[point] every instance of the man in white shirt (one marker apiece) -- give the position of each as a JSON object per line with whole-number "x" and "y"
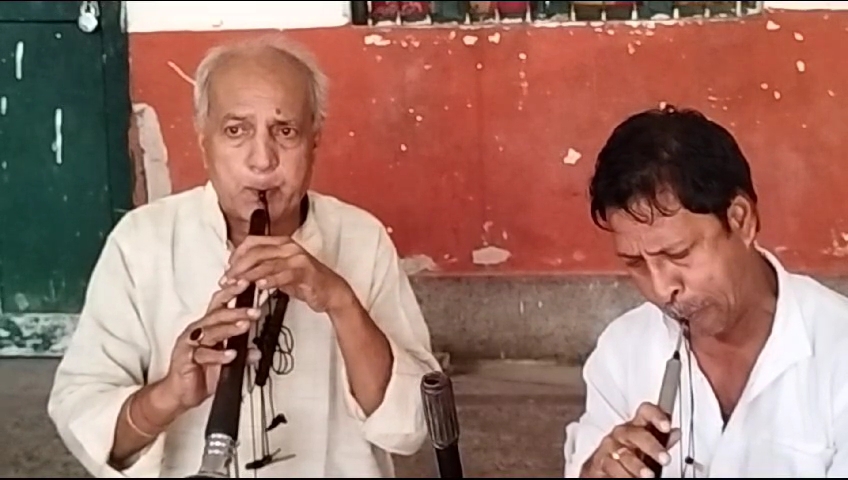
{"x": 133, "y": 392}
{"x": 764, "y": 383}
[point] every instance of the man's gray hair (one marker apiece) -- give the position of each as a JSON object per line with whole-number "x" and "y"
{"x": 318, "y": 82}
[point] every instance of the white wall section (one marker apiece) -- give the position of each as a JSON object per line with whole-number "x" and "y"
{"x": 201, "y": 16}
{"x": 228, "y": 15}
{"x": 807, "y": 5}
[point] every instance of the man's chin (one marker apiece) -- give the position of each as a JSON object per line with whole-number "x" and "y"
{"x": 705, "y": 327}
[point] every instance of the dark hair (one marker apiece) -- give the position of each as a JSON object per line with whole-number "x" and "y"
{"x": 669, "y": 150}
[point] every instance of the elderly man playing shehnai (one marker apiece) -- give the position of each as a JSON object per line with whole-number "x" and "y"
{"x": 133, "y": 392}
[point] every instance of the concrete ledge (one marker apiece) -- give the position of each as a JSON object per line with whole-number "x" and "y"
{"x": 521, "y": 317}
{"x": 503, "y": 317}
{"x": 528, "y": 317}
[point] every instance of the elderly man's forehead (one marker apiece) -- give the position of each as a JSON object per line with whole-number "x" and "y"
{"x": 259, "y": 61}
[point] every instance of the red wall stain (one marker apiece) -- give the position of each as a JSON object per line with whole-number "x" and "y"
{"x": 483, "y": 164}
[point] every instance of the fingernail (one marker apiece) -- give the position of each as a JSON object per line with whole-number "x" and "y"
{"x": 221, "y": 281}
{"x": 262, "y": 283}
{"x": 665, "y": 426}
{"x": 241, "y": 282}
{"x": 253, "y": 313}
{"x": 230, "y": 354}
{"x": 242, "y": 324}
{"x": 664, "y": 458}
{"x": 645, "y": 473}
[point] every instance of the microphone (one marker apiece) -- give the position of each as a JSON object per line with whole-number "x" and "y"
{"x": 442, "y": 423}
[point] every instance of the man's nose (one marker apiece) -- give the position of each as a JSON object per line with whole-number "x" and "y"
{"x": 264, "y": 157}
{"x": 666, "y": 284}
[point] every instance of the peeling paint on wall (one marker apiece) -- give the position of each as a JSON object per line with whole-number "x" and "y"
{"x": 415, "y": 264}
{"x": 149, "y": 155}
{"x": 490, "y": 256}
{"x": 139, "y": 196}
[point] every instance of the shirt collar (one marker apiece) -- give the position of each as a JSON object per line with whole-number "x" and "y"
{"x": 789, "y": 341}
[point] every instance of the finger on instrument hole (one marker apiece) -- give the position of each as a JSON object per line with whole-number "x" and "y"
{"x": 638, "y": 438}
{"x": 281, "y": 279}
{"x": 223, "y": 296}
{"x": 218, "y": 333}
{"x": 198, "y": 333}
{"x": 648, "y": 413}
{"x": 631, "y": 463}
{"x": 253, "y": 241}
{"x": 261, "y": 270}
{"x": 244, "y": 261}
{"x": 209, "y": 356}
{"x": 230, "y": 315}
{"x": 253, "y": 356}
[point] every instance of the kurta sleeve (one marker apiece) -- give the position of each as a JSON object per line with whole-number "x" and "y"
{"x": 397, "y": 425}
{"x": 606, "y": 404}
{"x": 838, "y": 467}
{"x": 106, "y": 361}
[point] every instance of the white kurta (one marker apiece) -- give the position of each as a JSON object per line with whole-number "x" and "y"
{"x": 792, "y": 419}
{"x": 159, "y": 268}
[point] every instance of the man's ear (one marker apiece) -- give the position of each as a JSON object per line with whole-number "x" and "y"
{"x": 743, "y": 220}
{"x": 201, "y": 143}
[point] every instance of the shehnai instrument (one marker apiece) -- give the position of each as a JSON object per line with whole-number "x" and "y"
{"x": 219, "y": 458}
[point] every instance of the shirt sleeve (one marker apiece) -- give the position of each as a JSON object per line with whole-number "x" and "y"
{"x": 839, "y": 403}
{"x": 397, "y": 425}
{"x": 606, "y": 405}
{"x": 105, "y": 361}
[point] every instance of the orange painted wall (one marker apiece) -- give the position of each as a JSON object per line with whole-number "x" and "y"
{"x": 456, "y": 145}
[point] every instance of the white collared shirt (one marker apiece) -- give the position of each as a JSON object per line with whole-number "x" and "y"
{"x": 792, "y": 418}
{"x": 157, "y": 272}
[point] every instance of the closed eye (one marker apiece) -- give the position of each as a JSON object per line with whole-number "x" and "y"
{"x": 632, "y": 262}
{"x": 678, "y": 255}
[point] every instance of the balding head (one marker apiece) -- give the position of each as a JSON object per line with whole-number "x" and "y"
{"x": 268, "y": 51}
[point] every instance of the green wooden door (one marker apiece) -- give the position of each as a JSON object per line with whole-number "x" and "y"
{"x": 62, "y": 185}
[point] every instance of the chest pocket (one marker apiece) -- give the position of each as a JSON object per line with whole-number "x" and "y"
{"x": 783, "y": 459}
{"x": 786, "y": 431}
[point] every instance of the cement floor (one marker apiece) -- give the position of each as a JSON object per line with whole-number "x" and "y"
{"x": 512, "y": 417}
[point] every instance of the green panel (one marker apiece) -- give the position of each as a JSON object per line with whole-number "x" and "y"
{"x": 57, "y": 11}
{"x": 55, "y": 205}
